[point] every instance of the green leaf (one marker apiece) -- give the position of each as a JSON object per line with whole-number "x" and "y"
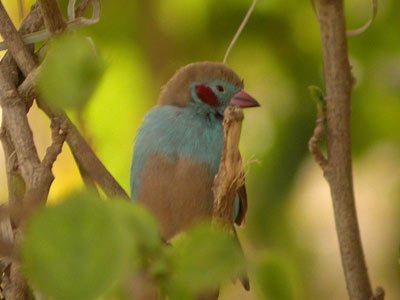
{"x": 276, "y": 278}
{"x": 140, "y": 225}
{"x": 75, "y": 250}
{"x": 318, "y": 96}
{"x": 201, "y": 259}
{"x": 70, "y": 72}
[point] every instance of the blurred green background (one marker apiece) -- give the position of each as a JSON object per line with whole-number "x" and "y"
{"x": 290, "y": 238}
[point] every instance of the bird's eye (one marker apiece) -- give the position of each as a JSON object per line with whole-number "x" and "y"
{"x": 220, "y": 89}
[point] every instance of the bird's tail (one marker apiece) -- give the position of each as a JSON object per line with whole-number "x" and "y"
{"x": 244, "y": 278}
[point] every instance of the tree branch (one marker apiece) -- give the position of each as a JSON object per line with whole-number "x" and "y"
{"x": 36, "y": 176}
{"x": 7, "y": 251}
{"x": 15, "y": 182}
{"x": 37, "y": 182}
{"x": 81, "y": 150}
{"x": 83, "y": 154}
{"x": 53, "y": 19}
{"x": 82, "y": 7}
{"x": 15, "y": 44}
{"x": 230, "y": 175}
{"x": 338, "y": 168}
{"x": 17, "y": 123}
{"x": 58, "y": 133}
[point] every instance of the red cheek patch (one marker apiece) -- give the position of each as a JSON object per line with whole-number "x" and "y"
{"x": 206, "y": 95}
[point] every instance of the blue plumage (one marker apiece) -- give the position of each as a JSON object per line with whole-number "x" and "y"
{"x": 177, "y": 132}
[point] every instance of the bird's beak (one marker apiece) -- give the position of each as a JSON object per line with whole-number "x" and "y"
{"x": 244, "y": 100}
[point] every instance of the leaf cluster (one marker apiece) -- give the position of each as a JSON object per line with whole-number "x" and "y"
{"x": 89, "y": 247}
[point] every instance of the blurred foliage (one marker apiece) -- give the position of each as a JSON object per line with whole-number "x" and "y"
{"x": 277, "y": 278}
{"x": 142, "y": 43}
{"x": 70, "y": 73}
{"x": 83, "y": 247}
{"x": 202, "y": 258}
{"x": 67, "y": 248}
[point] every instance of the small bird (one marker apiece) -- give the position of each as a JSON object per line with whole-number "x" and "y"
{"x": 179, "y": 146}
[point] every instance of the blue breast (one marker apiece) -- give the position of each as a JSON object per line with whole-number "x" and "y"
{"x": 176, "y": 132}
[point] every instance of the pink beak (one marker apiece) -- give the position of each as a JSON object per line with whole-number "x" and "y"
{"x": 244, "y": 100}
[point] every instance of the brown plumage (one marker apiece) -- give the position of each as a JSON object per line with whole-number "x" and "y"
{"x": 176, "y": 91}
{"x": 171, "y": 196}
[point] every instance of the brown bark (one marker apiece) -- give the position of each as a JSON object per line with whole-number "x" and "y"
{"x": 20, "y": 53}
{"x": 53, "y": 19}
{"x": 230, "y": 175}
{"x": 338, "y": 166}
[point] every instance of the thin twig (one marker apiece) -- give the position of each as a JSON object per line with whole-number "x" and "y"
{"x": 244, "y": 22}
{"x": 319, "y": 131}
{"x": 313, "y": 143}
{"x": 314, "y": 7}
{"x": 82, "y": 8}
{"x": 58, "y": 133}
{"x": 21, "y": 8}
{"x": 362, "y": 29}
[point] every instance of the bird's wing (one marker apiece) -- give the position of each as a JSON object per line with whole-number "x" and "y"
{"x": 240, "y": 219}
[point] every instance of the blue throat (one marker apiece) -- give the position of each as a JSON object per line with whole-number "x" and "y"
{"x": 190, "y": 132}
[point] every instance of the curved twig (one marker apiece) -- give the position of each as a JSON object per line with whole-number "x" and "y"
{"x": 72, "y": 24}
{"x": 244, "y": 22}
{"x": 319, "y": 131}
{"x": 362, "y": 29}
{"x": 313, "y": 143}
{"x": 359, "y": 31}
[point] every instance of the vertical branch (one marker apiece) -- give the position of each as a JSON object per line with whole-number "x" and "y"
{"x": 8, "y": 32}
{"x": 15, "y": 182}
{"x": 53, "y": 19}
{"x": 21, "y": 8}
{"x": 230, "y": 175}
{"x": 338, "y": 167}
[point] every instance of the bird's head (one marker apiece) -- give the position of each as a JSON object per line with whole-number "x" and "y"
{"x": 209, "y": 86}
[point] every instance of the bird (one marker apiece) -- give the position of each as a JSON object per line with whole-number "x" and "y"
{"x": 179, "y": 145}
